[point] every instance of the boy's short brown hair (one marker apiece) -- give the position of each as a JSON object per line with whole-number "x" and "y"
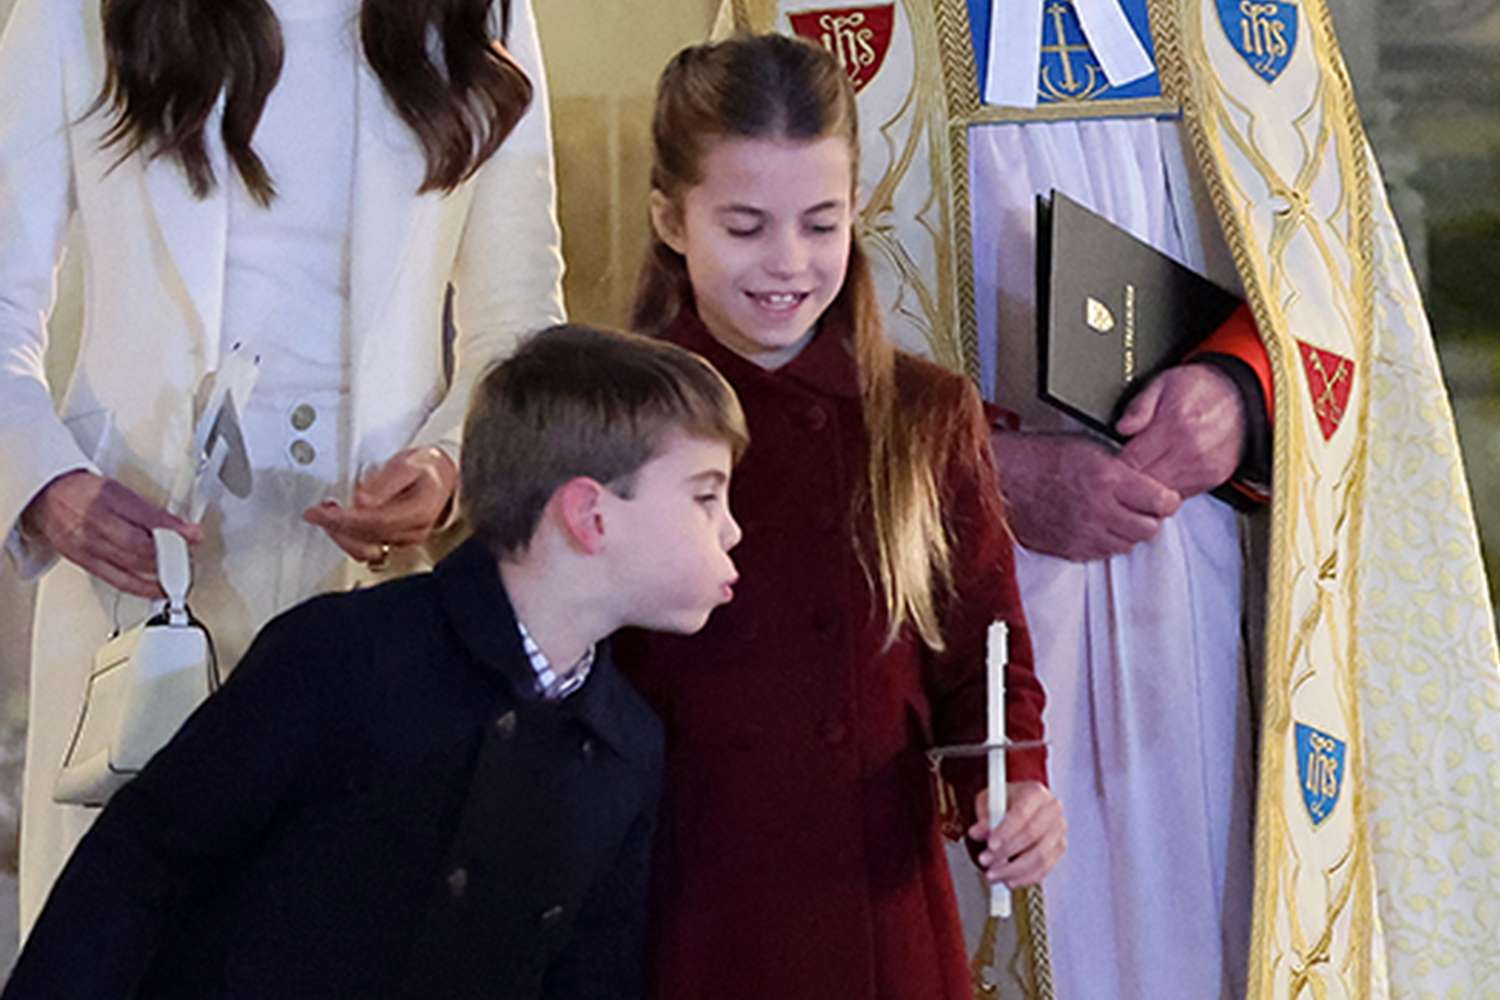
{"x": 579, "y": 401}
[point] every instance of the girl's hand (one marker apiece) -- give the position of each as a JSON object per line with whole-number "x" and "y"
{"x": 398, "y": 504}
{"x": 104, "y": 527}
{"x": 1028, "y": 842}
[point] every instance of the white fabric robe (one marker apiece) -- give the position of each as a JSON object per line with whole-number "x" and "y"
{"x": 1140, "y": 654}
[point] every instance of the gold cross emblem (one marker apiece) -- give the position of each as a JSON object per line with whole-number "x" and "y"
{"x": 1326, "y": 404}
{"x": 1062, "y": 48}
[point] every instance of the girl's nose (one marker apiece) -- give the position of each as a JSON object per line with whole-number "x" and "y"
{"x": 787, "y": 254}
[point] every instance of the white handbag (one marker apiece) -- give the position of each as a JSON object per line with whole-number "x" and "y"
{"x": 146, "y": 680}
{"x": 144, "y": 684}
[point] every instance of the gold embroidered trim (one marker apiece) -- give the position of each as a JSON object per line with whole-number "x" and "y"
{"x": 1177, "y": 27}
{"x": 1029, "y": 969}
{"x": 1134, "y": 107}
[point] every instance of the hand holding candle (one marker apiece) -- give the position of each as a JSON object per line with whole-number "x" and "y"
{"x": 998, "y": 654}
{"x": 1027, "y": 842}
{"x": 1021, "y": 823}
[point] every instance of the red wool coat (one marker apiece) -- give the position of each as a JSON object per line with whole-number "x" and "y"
{"x": 798, "y": 854}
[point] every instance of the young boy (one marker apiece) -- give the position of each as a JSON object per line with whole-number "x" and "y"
{"x": 439, "y": 787}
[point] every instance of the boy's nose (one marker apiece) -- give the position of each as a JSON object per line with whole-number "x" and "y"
{"x": 730, "y": 534}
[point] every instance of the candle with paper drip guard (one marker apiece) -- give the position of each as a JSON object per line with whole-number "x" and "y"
{"x": 997, "y": 655}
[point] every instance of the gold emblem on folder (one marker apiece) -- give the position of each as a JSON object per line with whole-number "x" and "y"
{"x": 1098, "y": 316}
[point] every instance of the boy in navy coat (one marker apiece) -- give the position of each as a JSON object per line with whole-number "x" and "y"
{"x": 439, "y": 787}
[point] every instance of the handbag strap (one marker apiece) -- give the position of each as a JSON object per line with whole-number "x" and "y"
{"x": 175, "y": 571}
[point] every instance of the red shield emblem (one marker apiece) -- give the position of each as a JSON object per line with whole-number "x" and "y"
{"x": 859, "y": 36}
{"x": 1330, "y": 376}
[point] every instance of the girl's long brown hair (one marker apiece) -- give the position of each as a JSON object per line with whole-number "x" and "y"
{"x": 775, "y": 87}
{"x": 169, "y": 61}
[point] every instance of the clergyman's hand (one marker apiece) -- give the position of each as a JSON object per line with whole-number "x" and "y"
{"x": 1072, "y": 497}
{"x": 1186, "y": 428}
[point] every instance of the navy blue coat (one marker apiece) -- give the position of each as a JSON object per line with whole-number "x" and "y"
{"x": 375, "y": 805}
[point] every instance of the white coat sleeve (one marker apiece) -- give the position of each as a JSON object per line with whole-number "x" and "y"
{"x": 507, "y": 279}
{"x": 36, "y": 202}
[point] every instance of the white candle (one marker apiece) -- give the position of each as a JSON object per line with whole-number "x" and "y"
{"x": 995, "y": 661}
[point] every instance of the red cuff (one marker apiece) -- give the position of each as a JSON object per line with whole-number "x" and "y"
{"x": 1001, "y": 419}
{"x": 1250, "y": 492}
{"x": 1239, "y": 338}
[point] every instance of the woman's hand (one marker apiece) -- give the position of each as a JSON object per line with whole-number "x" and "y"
{"x": 105, "y": 527}
{"x": 400, "y": 503}
{"x": 1028, "y": 842}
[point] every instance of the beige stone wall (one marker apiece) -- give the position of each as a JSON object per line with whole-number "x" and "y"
{"x": 603, "y": 57}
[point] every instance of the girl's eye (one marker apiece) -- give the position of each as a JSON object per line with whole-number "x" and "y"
{"x": 743, "y": 233}
{"x": 822, "y": 230}
{"x": 707, "y": 498}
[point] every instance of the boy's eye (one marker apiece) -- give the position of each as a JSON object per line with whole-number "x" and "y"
{"x": 743, "y": 233}
{"x": 821, "y": 229}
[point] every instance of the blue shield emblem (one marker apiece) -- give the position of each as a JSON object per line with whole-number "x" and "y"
{"x": 1264, "y": 32}
{"x": 1320, "y": 766}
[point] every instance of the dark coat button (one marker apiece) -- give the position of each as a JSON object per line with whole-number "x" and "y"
{"x": 835, "y": 732}
{"x": 458, "y": 882}
{"x": 506, "y": 725}
{"x": 550, "y": 916}
{"x": 587, "y": 747}
{"x": 817, "y": 418}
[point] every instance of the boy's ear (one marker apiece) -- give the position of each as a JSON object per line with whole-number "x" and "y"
{"x": 666, "y": 220}
{"x": 580, "y": 510}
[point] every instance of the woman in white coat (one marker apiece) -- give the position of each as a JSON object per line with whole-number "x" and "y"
{"x": 301, "y": 177}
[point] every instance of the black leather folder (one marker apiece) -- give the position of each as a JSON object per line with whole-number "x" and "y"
{"x": 1111, "y": 311}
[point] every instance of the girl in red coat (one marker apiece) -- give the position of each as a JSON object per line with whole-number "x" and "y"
{"x": 798, "y": 855}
